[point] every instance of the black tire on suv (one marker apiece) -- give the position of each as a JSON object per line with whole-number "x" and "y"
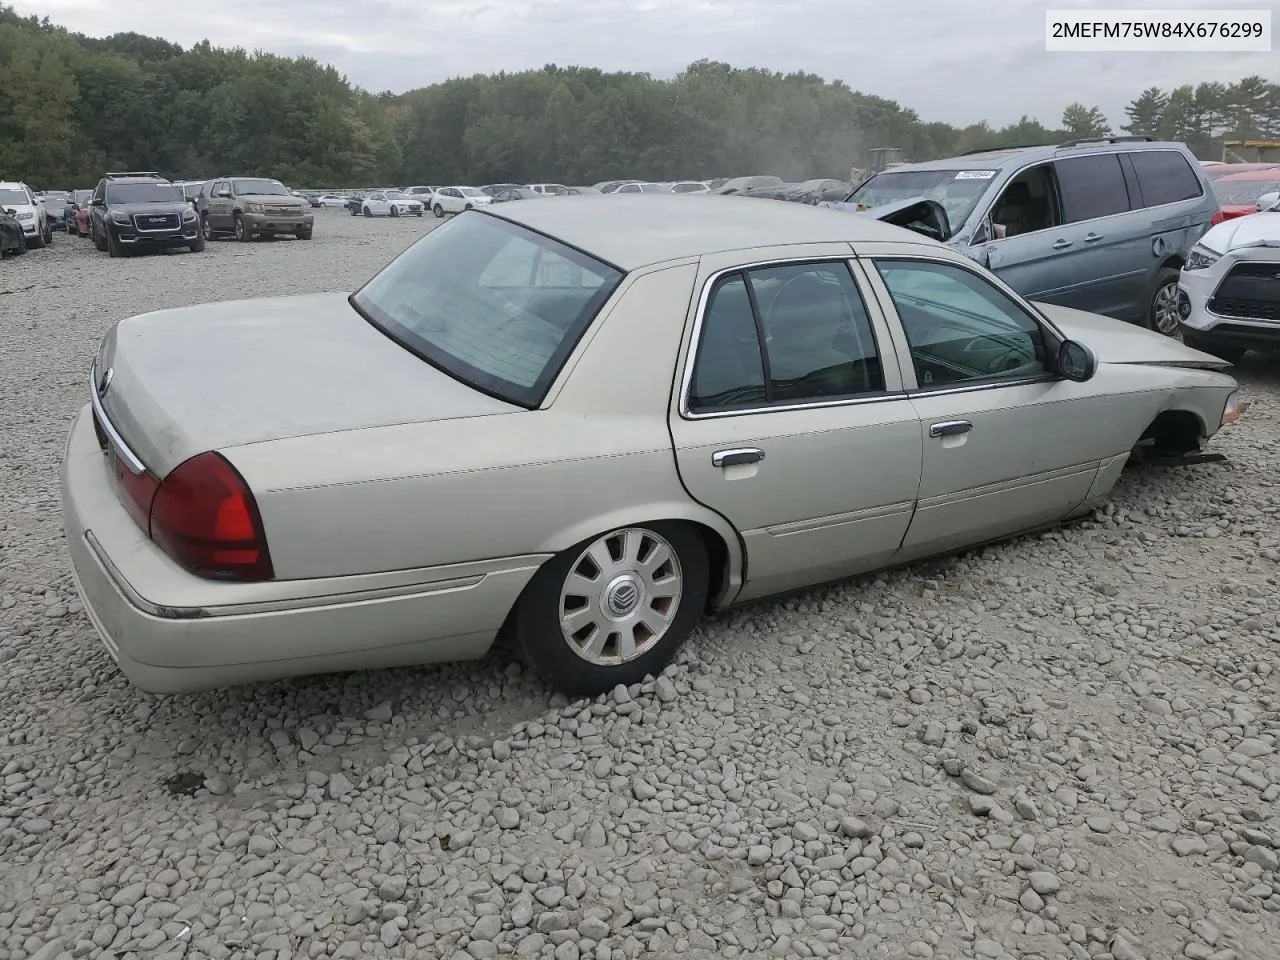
{"x": 243, "y": 234}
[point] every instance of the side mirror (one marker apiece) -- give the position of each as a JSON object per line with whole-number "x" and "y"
{"x": 1269, "y": 202}
{"x": 224, "y": 194}
{"x": 1075, "y": 361}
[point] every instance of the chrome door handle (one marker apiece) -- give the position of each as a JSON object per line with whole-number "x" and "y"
{"x": 949, "y": 428}
{"x": 1092, "y": 237}
{"x": 1061, "y": 244}
{"x": 730, "y": 458}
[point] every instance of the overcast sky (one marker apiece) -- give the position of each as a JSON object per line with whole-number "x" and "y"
{"x": 958, "y": 61}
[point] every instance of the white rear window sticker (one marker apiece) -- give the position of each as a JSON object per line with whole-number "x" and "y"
{"x": 975, "y": 174}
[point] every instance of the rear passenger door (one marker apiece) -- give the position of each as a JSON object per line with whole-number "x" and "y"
{"x": 792, "y": 422}
{"x": 1113, "y": 242}
{"x": 220, "y": 207}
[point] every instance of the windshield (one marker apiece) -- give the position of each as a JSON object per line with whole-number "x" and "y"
{"x": 472, "y": 192}
{"x": 142, "y": 193}
{"x": 655, "y": 188}
{"x": 269, "y": 188}
{"x": 397, "y": 195}
{"x": 957, "y": 190}
{"x": 1247, "y": 191}
{"x": 11, "y": 197}
{"x": 491, "y": 303}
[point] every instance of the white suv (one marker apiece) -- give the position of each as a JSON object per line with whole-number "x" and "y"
{"x": 17, "y": 198}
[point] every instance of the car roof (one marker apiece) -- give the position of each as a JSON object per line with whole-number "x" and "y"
{"x": 631, "y": 231}
{"x": 998, "y": 158}
{"x": 12, "y": 185}
{"x": 1267, "y": 173}
{"x": 119, "y": 180}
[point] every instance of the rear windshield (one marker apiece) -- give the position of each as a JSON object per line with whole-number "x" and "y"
{"x": 142, "y": 193}
{"x": 491, "y": 303}
{"x": 1244, "y": 191}
{"x": 957, "y": 190}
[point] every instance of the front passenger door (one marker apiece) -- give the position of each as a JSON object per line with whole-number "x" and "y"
{"x": 792, "y": 424}
{"x": 1008, "y": 445}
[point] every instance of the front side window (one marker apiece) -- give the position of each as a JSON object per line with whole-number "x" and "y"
{"x": 960, "y": 327}
{"x": 1165, "y": 176}
{"x": 492, "y": 304}
{"x": 1091, "y": 187}
{"x": 816, "y": 336}
{"x": 629, "y": 188}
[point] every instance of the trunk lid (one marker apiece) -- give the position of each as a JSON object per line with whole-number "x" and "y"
{"x": 219, "y": 375}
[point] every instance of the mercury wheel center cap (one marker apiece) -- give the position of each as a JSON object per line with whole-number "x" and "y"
{"x": 622, "y": 597}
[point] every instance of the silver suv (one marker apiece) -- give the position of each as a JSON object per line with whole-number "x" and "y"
{"x": 1100, "y": 224}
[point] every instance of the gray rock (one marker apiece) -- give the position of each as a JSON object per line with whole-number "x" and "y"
{"x": 339, "y": 787}
{"x": 977, "y": 782}
{"x": 1043, "y": 882}
{"x": 508, "y": 819}
{"x": 855, "y": 827}
{"x": 391, "y": 934}
{"x": 36, "y": 826}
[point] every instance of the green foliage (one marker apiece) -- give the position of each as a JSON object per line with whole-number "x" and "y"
{"x": 73, "y": 106}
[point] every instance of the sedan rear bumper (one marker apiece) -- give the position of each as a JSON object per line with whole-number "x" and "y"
{"x": 171, "y": 632}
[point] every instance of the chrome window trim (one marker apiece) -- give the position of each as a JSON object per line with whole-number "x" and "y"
{"x": 691, "y": 356}
{"x": 131, "y": 461}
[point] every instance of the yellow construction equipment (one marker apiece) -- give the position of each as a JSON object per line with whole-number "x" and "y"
{"x": 1251, "y": 151}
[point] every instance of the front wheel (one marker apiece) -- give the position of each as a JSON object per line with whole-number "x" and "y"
{"x": 243, "y": 234}
{"x": 469, "y": 207}
{"x": 99, "y": 241}
{"x": 368, "y": 212}
{"x": 197, "y": 245}
{"x": 613, "y": 609}
{"x": 355, "y": 212}
{"x": 1162, "y": 311}
{"x": 395, "y": 211}
{"x": 438, "y": 211}
{"x": 37, "y": 241}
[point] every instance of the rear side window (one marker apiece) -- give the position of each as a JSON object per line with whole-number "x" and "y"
{"x": 1091, "y": 187}
{"x": 817, "y": 337}
{"x": 1165, "y": 177}
{"x": 492, "y": 304}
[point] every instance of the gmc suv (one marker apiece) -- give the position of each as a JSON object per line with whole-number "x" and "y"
{"x": 134, "y": 211}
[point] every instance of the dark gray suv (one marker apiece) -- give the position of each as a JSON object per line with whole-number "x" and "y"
{"x": 1102, "y": 225}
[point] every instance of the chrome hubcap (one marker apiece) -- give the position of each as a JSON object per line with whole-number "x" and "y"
{"x": 620, "y": 597}
{"x": 1164, "y": 310}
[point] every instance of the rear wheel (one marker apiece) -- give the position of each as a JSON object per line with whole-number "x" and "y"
{"x": 206, "y": 228}
{"x": 438, "y": 211}
{"x": 1162, "y": 311}
{"x": 395, "y": 211}
{"x": 367, "y": 211}
{"x": 304, "y": 234}
{"x": 243, "y": 234}
{"x": 614, "y": 608}
{"x": 354, "y": 212}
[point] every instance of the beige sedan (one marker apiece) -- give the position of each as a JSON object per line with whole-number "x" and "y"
{"x": 586, "y": 423}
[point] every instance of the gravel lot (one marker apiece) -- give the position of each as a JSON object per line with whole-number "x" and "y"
{"x": 1062, "y": 747}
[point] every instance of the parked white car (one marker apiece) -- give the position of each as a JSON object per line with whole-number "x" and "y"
{"x": 1229, "y": 288}
{"x": 390, "y": 204}
{"x": 332, "y": 200}
{"x": 643, "y": 188}
{"x": 690, "y": 186}
{"x": 423, "y": 194}
{"x": 457, "y": 199}
{"x": 547, "y": 189}
{"x": 17, "y": 197}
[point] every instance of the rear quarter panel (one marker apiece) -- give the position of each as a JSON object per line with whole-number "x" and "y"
{"x": 596, "y": 456}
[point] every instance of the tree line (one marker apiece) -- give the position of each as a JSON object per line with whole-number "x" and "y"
{"x": 73, "y": 106}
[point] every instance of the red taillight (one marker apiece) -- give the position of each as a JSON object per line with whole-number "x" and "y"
{"x": 1218, "y": 216}
{"x": 204, "y": 516}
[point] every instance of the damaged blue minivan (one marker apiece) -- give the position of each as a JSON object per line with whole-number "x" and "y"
{"x": 1102, "y": 224}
